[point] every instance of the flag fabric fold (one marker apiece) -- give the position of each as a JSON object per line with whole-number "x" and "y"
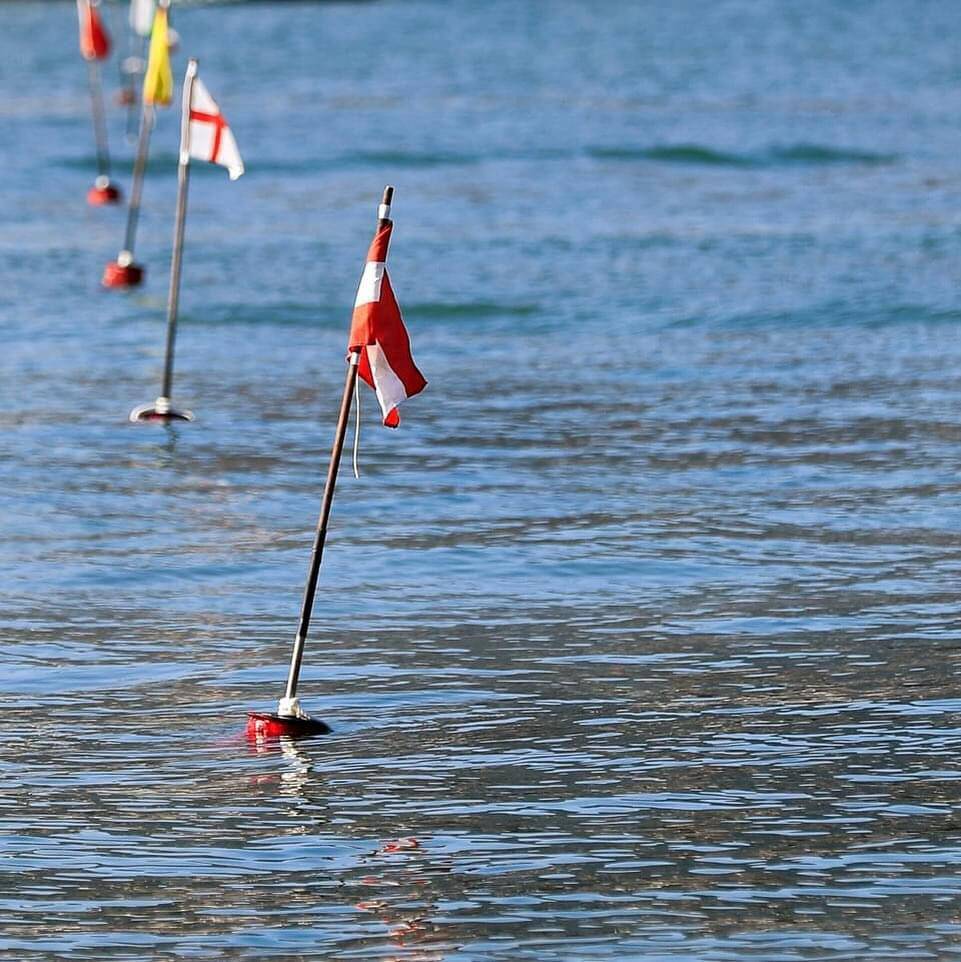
{"x": 209, "y": 137}
{"x": 94, "y": 39}
{"x": 158, "y": 81}
{"x": 377, "y": 331}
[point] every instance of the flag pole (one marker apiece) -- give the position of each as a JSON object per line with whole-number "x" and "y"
{"x": 123, "y": 272}
{"x": 161, "y": 409}
{"x": 133, "y": 67}
{"x": 127, "y": 95}
{"x": 291, "y": 719}
{"x": 103, "y": 191}
{"x": 94, "y": 46}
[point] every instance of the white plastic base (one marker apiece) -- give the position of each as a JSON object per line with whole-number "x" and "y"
{"x": 290, "y": 708}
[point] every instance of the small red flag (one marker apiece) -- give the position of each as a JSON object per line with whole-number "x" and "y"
{"x": 377, "y": 331}
{"x": 94, "y": 40}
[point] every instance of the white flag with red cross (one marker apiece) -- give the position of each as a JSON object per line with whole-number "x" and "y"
{"x": 209, "y": 137}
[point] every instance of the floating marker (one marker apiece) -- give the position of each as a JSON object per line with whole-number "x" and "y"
{"x": 123, "y": 272}
{"x": 378, "y": 350}
{"x": 94, "y": 47}
{"x": 204, "y": 134}
{"x": 157, "y": 91}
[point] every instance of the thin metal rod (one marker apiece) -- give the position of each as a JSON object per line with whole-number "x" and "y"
{"x": 176, "y": 259}
{"x": 121, "y": 61}
{"x": 320, "y": 537}
{"x": 139, "y": 167}
{"x": 99, "y": 119}
{"x": 131, "y": 79}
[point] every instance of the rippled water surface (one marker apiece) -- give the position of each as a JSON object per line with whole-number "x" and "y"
{"x": 639, "y": 638}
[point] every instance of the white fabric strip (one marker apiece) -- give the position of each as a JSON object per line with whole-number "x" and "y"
{"x": 229, "y": 155}
{"x": 389, "y": 387}
{"x": 368, "y": 291}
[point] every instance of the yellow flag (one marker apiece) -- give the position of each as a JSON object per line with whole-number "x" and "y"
{"x": 158, "y": 81}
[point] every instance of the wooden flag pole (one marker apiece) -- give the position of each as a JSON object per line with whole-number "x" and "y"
{"x": 161, "y": 409}
{"x": 290, "y": 717}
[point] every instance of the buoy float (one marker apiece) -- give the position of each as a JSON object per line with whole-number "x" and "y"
{"x": 267, "y": 725}
{"x": 376, "y": 320}
{"x": 122, "y": 272}
{"x": 157, "y": 90}
{"x": 94, "y": 47}
{"x": 227, "y": 155}
{"x": 160, "y": 410}
{"x": 103, "y": 192}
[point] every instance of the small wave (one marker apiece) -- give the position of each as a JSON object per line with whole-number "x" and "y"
{"x": 815, "y": 154}
{"x": 469, "y": 311}
{"x": 831, "y": 314}
{"x": 298, "y": 313}
{"x": 407, "y": 160}
{"x": 413, "y": 159}
{"x": 162, "y": 161}
{"x": 696, "y": 154}
{"x": 678, "y": 154}
{"x": 281, "y": 313}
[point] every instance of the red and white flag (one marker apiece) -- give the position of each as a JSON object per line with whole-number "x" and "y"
{"x": 94, "y": 40}
{"x": 377, "y": 331}
{"x": 208, "y": 136}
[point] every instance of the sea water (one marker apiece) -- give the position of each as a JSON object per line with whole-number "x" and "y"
{"x": 639, "y": 637}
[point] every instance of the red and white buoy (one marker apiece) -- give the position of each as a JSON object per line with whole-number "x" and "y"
{"x": 94, "y": 47}
{"x": 103, "y": 192}
{"x": 122, "y": 272}
{"x": 218, "y": 148}
{"x": 157, "y": 91}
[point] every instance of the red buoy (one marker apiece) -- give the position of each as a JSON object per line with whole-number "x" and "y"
{"x": 122, "y": 272}
{"x": 102, "y": 192}
{"x": 267, "y": 725}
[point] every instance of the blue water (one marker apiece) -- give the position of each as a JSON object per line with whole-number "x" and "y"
{"x": 644, "y": 623}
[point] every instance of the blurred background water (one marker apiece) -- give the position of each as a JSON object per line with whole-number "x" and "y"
{"x": 644, "y": 624}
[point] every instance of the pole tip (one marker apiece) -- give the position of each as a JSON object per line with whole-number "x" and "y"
{"x": 388, "y": 195}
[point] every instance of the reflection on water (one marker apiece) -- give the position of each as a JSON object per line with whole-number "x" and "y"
{"x": 638, "y": 640}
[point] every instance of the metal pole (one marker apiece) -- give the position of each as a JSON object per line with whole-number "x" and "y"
{"x": 320, "y": 537}
{"x": 139, "y": 167}
{"x": 99, "y": 122}
{"x": 183, "y": 179}
{"x": 134, "y": 77}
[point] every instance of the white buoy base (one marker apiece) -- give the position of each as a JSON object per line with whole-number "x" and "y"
{"x": 160, "y": 410}
{"x": 290, "y": 708}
